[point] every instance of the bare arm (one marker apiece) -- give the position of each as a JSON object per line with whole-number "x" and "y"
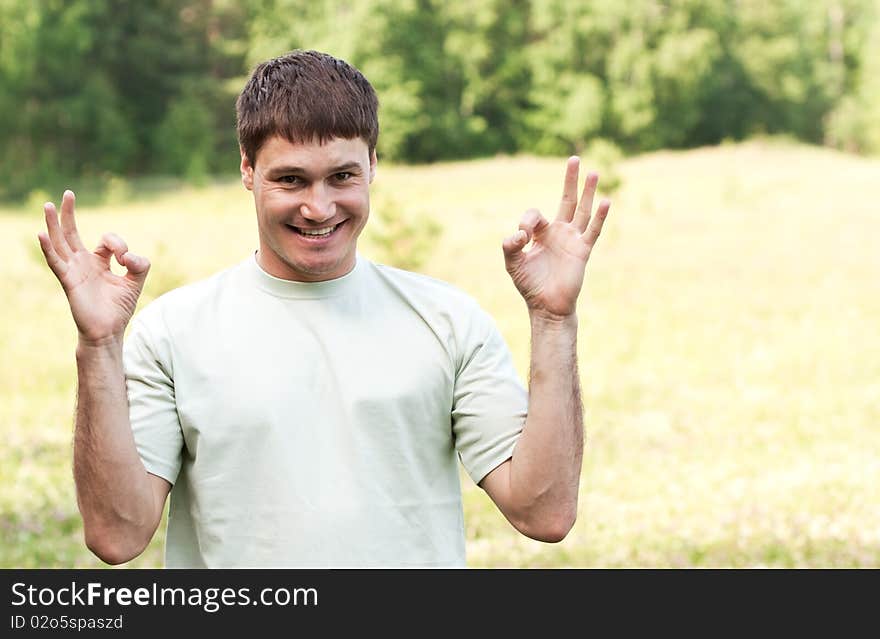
{"x": 537, "y": 489}
{"x": 121, "y": 504}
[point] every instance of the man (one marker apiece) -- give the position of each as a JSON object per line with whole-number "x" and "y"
{"x": 307, "y": 407}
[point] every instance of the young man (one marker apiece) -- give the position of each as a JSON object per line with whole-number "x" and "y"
{"x": 307, "y": 407}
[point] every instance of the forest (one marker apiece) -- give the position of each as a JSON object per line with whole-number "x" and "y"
{"x": 113, "y": 89}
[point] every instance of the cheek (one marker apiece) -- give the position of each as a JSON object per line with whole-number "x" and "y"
{"x": 277, "y": 201}
{"x": 355, "y": 201}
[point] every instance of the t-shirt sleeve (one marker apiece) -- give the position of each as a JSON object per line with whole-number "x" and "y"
{"x": 489, "y": 401}
{"x": 152, "y": 407}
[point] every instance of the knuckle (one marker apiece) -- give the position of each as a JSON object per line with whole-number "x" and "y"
{"x": 530, "y": 216}
{"x": 112, "y": 240}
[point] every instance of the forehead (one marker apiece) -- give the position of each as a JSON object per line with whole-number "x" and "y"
{"x": 279, "y": 151}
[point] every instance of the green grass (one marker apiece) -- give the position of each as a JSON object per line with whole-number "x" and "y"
{"x": 729, "y": 352}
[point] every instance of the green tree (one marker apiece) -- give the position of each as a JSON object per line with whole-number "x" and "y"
{"x": 566, "y": 48}
{"x": 86, "y": 84}
{"x": 855, "y": 123}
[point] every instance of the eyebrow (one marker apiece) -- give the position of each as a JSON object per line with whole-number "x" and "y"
{"x": 298, "y": 170}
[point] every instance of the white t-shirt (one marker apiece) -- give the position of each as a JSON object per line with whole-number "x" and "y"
{"x": 319, "y": 424}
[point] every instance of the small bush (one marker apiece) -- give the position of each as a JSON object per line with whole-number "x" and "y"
{"x": 604, "y": 156}
{"x": 404, "y": 241}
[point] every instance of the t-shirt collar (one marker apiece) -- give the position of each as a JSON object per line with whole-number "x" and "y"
{"x": 302, "y": 290}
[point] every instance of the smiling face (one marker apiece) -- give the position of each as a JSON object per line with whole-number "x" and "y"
{"x": 312, "y": 203}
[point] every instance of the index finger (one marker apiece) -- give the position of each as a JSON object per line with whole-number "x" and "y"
{"x": 68, "y": 221}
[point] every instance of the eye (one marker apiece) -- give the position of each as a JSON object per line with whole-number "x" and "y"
{"x": 289, "y": 179}
{"x": 344, "y": 176}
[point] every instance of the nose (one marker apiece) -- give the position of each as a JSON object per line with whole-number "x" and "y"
{"x": 318, "y": 206}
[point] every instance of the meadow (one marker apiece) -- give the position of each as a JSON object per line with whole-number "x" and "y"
{"x": 729, "y": 351}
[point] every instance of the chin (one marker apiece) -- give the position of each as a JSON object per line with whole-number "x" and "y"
{"x": 318, "y": 269}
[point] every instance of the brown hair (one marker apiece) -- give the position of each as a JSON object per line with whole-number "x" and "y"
{"x": 302, "y": 96}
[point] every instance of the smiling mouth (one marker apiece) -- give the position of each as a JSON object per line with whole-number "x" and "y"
{"x": 316, "y": 234}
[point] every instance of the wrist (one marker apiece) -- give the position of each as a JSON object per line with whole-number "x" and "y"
{"x": 546, "y": 319}
{"x": 86, "y": 346}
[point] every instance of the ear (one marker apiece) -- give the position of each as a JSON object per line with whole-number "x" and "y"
{"x": 373, "y": 162}
{"x": 247, "y": 171}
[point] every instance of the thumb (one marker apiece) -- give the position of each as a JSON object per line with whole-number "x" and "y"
{"x": 513, "y": 249}
{"x": 137, "y": 267}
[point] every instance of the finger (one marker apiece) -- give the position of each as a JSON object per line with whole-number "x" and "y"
{"x": 513, "y": 250}
{"x": 595, "y": 227}
{"x": 532, "y": 222}
{"x": 585, "y": 207}
{"x": 58, "y": 266}
{"x": 68, "y": 221}
{"x": 515, "y": 243}
{"x": 56, "y": 236}
{"x": 569, "y": 190}
{"x": 137, "y": 267}
{"x": 111, "y": 244}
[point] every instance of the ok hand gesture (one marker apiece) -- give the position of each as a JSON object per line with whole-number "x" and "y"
{"x": 550, "y": 274}
{"x": 101, "y": 302}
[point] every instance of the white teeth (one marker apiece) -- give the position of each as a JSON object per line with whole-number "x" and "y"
{"x": 325, "y": 231}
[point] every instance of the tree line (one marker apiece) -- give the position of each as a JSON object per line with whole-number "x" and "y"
{"x": 123, "y": 88}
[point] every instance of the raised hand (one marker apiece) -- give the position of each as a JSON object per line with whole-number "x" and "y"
{"x": 101, "y": 302}
{"x": 550, "y": 274}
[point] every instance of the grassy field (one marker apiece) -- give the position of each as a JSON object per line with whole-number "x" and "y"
{"x": 729, "y": 352}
